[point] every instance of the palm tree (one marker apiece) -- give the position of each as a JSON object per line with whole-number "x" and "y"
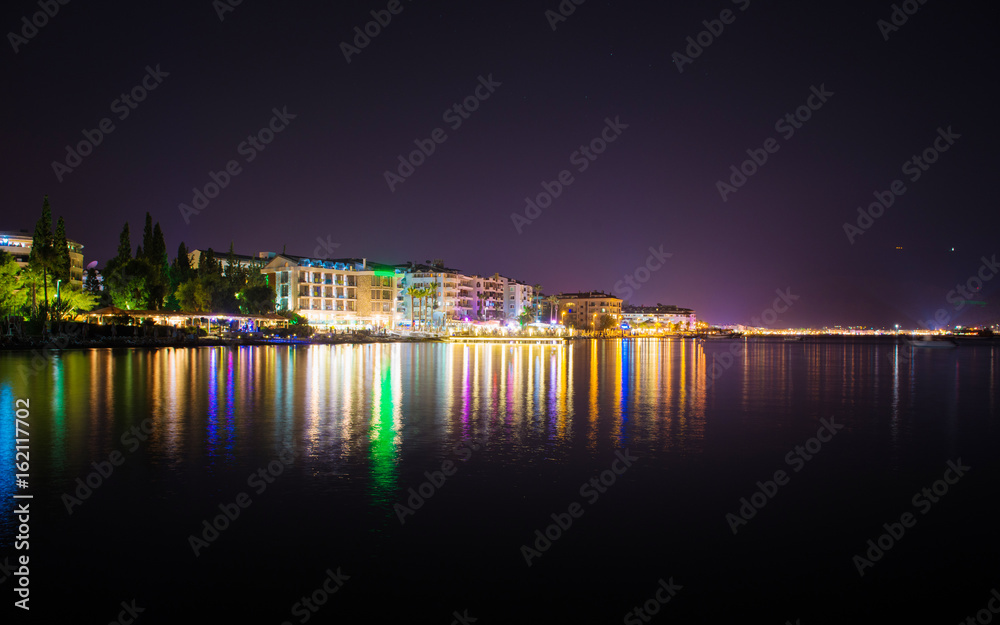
{"x": 423, "y": 293}
{"x": 536, "y": 301}
{"x": 412, "y": 292}
{"x": 553, "y": 307}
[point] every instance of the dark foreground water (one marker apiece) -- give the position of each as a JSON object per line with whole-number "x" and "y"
{"x": 316, "y": 450}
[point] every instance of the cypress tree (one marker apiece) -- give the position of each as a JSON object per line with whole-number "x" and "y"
{"x": 124, "y": 246}
{"x": 60, "y": 251}
{"x": 147, "y": 239}
{"x": 40, "y": 257}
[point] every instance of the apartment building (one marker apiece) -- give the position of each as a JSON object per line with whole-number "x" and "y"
{"x": 18, "y": 245}
{"x": 453, "y": 295}
{"x": 664, "y": 316}
{"x": 335, "y": 293}
{"x": 583, "y": 310}
{"x": 518, "y": 296}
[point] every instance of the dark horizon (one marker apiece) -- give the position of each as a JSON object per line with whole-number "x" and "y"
{"x": 542, "y": 94}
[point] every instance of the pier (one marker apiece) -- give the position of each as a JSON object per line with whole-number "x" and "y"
{"x": 530, "y": 340}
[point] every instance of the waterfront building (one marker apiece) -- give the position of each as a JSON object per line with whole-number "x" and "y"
{"x": 335, "y": 294}
{"x": 491, "y": 297}
{"x": 664, "y": 316}
{"x": 583, "y": 310}
{"x": 443, "y": 304}
{"x": 517, "y": 297}
{"x": 18, "y": 245}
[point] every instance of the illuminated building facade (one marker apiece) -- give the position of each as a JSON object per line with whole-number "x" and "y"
{"x": 685, "y": 318}
{"x": 18, "y": 245}
{"x": 584, "y": 310}
{"x": 334, "y": 294}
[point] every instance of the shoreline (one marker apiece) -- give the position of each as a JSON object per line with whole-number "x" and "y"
{"x": 66, "y": 342}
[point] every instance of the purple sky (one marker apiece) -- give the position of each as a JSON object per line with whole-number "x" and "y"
{"x": 322, "y": 176}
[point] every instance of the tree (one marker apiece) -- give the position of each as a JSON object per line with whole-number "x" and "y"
{"x": 41, "y": 259}
{"x": 124, "y": 246}
{"x": 413, "y": 292}
{"x": 536, "y": 301}
{"x": 128, "y": 285}
{"x": 256, "y": 300}
{"x": 72, "y": 300}
{"x": 147, "y": 236}
{"x": 208, "y": 265}
{"x": 194, "y": 296}
{"x": 180, "y": 271}
{"x": 605, "y": 322}
{"x": 525, "y": 317}
{"x": 553, "y": 307}
{"x": 12, "y": 291}
{"x": 93, "y": 283}
{"x": 156, "y": 256}
{"x": 127, "y": 280}
{"x": 60, "y": 252}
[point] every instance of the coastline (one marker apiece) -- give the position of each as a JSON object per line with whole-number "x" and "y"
{"x": 68, "y": 342}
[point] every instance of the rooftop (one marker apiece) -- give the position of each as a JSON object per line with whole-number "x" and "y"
{"x": 586, "y": 295}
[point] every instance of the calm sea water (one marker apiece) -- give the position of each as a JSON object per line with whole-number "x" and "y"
{"x": 322, "y": 444}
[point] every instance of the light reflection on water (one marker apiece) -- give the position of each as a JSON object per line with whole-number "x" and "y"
{"x": 355, "y": 410}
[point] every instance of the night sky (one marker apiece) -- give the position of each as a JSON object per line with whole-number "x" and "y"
{"x": 323, "y": 175}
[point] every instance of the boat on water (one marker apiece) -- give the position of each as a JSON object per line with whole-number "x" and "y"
{"x": 934, "y": 342}
{"x": 795, "y": 338}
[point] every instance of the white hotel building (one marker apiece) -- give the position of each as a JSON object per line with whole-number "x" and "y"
{"x": 460, "y": 297}
{"x": 343, "y": 293}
